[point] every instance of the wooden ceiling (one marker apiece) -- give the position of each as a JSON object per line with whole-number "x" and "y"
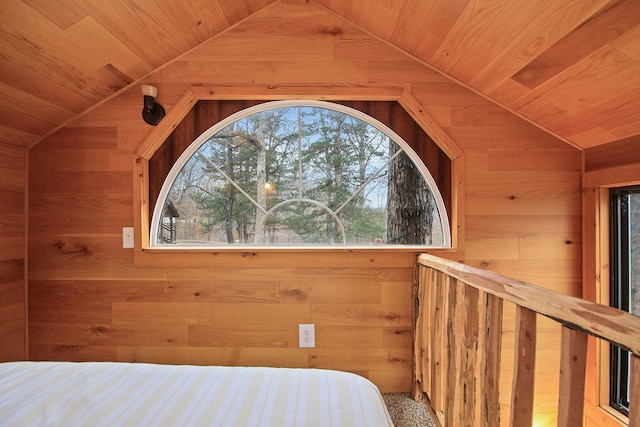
{"x": 570, "y": 66}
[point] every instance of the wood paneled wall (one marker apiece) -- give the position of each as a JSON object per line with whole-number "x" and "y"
{"x": 13, "y": 186}
{"x": 92, "y": 300}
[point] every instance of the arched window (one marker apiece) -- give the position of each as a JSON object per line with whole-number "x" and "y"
{"x": 299, "y": 174}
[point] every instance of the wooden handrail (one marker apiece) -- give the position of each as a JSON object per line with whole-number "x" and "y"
{"x": 613, "y": 325}
{"x": 458, "y": 328}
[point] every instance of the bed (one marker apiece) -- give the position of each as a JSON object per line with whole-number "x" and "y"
{"x": 138, "y": 394}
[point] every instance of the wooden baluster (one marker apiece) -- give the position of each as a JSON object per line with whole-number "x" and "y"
{"x": 467, "y": 386}
{"x": 522, "y": 391}
{"x": 451, "y": 407}
{"x": 421, "y": 302}
{"x": 439, "y": 368}
{"x": 490, "y": 364}
{"x": 429, "y": 333}
{"x": 573, "y": 365}
{"x": 634, "y": 404}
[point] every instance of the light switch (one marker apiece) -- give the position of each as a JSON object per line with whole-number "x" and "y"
{"x": 127, "y": 237}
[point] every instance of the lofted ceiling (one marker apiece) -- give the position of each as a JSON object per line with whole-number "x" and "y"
{"x": 572, "y": 67}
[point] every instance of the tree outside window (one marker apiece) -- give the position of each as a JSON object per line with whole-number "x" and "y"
{"x": 313, "y": 174}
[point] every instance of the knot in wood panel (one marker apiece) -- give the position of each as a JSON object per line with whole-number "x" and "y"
{"x": 334, "y": 31}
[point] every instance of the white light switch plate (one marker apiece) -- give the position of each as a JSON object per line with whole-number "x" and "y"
{"x": 127, "y": 237}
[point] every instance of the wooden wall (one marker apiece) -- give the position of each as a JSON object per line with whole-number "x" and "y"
{"x": 13, "y": 186}
{"x": 90, "y": 299}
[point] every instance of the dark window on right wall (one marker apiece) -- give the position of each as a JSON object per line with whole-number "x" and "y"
{"x": 625, "y": 281}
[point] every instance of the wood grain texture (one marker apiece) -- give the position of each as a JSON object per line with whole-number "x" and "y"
{"x": 522, "y": 392}
{"x": 572, "y": 376}
{"x": 94, "y": 300}
{"x": 13, "y": 186}
{"x": 570, "y": 68}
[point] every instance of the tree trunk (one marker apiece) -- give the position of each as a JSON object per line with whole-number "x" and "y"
{"x": 410, "y": 203}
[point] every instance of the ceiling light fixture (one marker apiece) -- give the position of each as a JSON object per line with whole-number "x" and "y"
{"x": 152, "y": 112}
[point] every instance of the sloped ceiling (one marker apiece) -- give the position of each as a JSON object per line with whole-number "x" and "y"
{"x": 570, "y": 66}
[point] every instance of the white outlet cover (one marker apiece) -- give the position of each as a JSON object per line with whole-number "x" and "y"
{"x": 307, "y": 335}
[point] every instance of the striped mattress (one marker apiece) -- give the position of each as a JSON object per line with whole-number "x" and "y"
{"x": 109, "y": 394}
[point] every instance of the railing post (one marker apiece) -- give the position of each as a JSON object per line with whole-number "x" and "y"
{"x": 438, "y": 363}
{"x": 490, "y": 363}
{"x": 467, "y": 386}
{"x": 524, "y": 370}
{"x": 573, "y": 366}
{"x": 452, "y": 407}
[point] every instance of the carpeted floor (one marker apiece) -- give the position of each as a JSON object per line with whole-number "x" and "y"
{"x": 406, "y": 412}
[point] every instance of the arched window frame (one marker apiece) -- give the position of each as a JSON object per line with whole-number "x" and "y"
{"x": 193, "y": 147}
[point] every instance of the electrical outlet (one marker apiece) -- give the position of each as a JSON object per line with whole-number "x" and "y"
{"x": 307, "y": 335}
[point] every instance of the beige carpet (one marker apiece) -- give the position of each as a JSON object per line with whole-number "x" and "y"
{"x": 406, "y": 412}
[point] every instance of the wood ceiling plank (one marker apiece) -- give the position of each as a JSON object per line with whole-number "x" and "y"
{"x": 91, "y": 34}
{"x": 199, "y": 19}
{"x": 410, "y": 21}
{"x": 339, "y": 7}
{"x": 43, "y": 115}
{"x": 17, "y": 137}
{"x": 474, "y": 20}
{"x": 376, "y": 17}
{"x": 491, "y": 42}
{"x": 365, "y": 47}
{"x": 39, "y": 84}
{"x": 584, "y": 93}
{"x": 62, "y": 13}
{"x": 20, "y": 56}
{"x": 627, "y": 126}
{"x": 591, "y": 137}
{"x": 255, "y": 5}
{"x": 270, "y": 34}
{"x": 234, "y": 11}
{"x": 142, "y": 25}
{"x": 618, "y": 153}
{"x": 394, "y": 71}
{"x": 437, "y": 24}
{"x": 28, "y": 30}
{"x": 600, "y": 29}
{"x": 628, "y": 42}
{"x": 609, "y": 124}
{"x": 533, "y": 37}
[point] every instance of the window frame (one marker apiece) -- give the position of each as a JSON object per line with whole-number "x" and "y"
{"x": 620, "y": 287}
{"x": 193, "y": 147}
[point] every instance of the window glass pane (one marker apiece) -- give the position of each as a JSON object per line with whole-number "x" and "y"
{"x": 300, "y": 175}
{"x": 625, "y": 282}
{"x": 634, "y": 252}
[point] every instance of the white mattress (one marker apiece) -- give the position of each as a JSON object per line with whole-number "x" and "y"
{"x": 135, "y": 394}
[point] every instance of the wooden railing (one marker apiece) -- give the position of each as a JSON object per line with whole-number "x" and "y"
{"x": 458, "y": 345}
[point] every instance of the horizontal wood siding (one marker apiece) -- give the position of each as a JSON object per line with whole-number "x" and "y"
{"x": 12, "y": 253}
{"x": 93, "y": 300}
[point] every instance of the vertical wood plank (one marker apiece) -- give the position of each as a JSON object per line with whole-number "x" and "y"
{"x": 573, "y": 365}
{"x": 452, "y": 406}
{"x": 439, "y": 349}
{"x": 468, "y": 356}
{"x": 524, "y": 368}
{"x": 421, "y": 303}
{"x": 429, "y": 331}
{"x": 490, "y": 363}
{"x": 634, "y": 404}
